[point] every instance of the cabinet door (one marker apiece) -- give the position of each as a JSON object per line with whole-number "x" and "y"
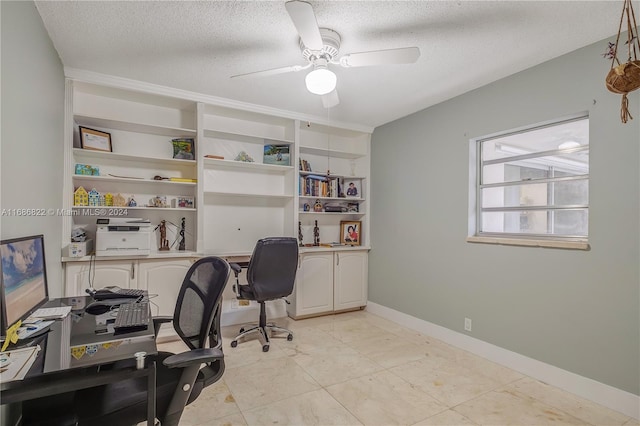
{"x": 162, "y": 278}
{"x": 350, "y": 280}
{"x": 80, "y": 275}
{"x": 314, "y": 284}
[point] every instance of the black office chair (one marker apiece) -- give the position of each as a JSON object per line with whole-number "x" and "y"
{"x": 180, "y": 378}
{"x": 270, "y": 275}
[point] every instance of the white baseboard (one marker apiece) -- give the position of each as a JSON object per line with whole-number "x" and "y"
{"x": 600, "y": 393}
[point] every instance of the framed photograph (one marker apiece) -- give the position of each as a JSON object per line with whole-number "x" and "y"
{"x": 352, "y": 188}
{"x": 183, "y": 148}
{"x": 95, "y": 139}
{"x": 351, "y": 232}
{"x": 277, "y": 154}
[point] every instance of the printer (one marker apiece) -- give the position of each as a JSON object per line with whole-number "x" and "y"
{"x": 124, "y": 236}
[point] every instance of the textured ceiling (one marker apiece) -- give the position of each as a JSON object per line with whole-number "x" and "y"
{"x": 197, "y": 46}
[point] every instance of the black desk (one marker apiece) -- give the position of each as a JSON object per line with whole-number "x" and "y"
{"x": 57, "y": 371}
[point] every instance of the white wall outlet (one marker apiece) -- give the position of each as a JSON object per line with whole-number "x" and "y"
{"x": 467, "y": 324}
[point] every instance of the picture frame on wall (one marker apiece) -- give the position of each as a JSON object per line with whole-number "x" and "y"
{"x": 95, "y": 139}
{"x": 351, "y": 232}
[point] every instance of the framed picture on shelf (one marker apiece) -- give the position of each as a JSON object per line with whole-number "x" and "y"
{"x": 276, "y": 154}
{"x": 353, "y": 207}
{"x": 183, "y": 148}
{"x": 95, "y": 139}
{"x": 352, "y": 188}
{"x": 350, "y": 232}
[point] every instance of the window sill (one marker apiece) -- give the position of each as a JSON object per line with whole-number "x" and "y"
{"x": 572, "y": 245}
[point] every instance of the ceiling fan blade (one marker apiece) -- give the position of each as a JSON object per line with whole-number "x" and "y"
{"x": 406, "y": 55}
{"x": 304, "y": 19}
{"x": 331, "y": 99}
{"x": 274, "y": 71}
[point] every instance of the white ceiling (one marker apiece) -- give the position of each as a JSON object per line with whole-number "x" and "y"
{"x": 197, "y": 46}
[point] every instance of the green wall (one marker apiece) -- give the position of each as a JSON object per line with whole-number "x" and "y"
{"x": 31, "y": 143}
{"x": 31, "y": 149}
{"x": 577, "y": 310}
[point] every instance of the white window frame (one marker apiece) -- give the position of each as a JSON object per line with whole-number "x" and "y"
{"x": 476, "y": 186}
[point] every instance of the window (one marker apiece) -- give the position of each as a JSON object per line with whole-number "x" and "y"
{"x": 533, "y": 184}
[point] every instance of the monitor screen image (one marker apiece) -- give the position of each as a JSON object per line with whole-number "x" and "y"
{"x": 24, "y": 278}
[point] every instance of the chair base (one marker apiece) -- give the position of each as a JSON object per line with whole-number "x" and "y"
{"x": 262, "y": 330}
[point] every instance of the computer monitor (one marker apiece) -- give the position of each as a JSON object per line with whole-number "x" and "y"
{"x": 23, "y": 282}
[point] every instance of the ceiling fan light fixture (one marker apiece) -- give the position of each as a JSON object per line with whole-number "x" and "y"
{"x": 569, "y": 144}
{"x": 321, "y": 81}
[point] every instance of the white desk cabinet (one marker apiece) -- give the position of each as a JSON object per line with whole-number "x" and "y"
{"x": 78, "y": 275}
{"x": 313, "y": 290}
{"x": 328, "y": 282}
{"x": 350, "y": 280}
{"x": 162, "y": 279}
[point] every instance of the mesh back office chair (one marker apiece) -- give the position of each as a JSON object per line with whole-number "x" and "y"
{"x": 270, "y": 275}
{"x": 196, "y": 319}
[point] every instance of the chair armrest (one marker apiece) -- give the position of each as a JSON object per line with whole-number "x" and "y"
{"x": 195, "y": 356}
{"x": 158, "y": 321}
{"x": 236, "y": 268}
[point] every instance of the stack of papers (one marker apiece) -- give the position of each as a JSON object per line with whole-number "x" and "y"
{"x": 17, "y": 363}
{"x": 59, "y": 312}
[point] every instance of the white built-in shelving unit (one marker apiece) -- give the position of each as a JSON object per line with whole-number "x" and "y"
{"x": 235, "y": 202}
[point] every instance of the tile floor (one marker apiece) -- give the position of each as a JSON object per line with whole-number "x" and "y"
{"x": 360, "y": 369}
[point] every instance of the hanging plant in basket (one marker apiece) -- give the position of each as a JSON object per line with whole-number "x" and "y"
{"x": 625, "y": 77}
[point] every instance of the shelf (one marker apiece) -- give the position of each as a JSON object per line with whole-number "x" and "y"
{"x": 246, "y": 195}
{"x": 333, "y": 213}
{"x": 245, "y": 137}
{"x": 88, "y": 154}
{"x": 89, "y": 121}
{"x": 87, "y": 178}
{"x": 303, "y": 173}
{"x": 329, "y": 152}
{"x": 182, "y": 209}
{"x": 231, "y": 164}
{"x": 346, "y": 200}
{"x": 154, "y": 255}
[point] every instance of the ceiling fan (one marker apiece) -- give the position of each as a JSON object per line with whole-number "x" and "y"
{"x": 320, "y": 47}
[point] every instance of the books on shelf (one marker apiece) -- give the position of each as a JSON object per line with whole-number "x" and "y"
{"x": 319, "y": 186}
{"x": 305, "y": 166}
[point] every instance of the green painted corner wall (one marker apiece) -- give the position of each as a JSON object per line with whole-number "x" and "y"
{"x": 577, "y": 310}
{"x": 31, "y": 150}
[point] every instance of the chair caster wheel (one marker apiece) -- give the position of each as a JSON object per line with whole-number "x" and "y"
{"x": 290, "y": 337}
{"x": 234, "y": 343}
{"x": 265, "y": 348}
{"x": 242, "y": 330}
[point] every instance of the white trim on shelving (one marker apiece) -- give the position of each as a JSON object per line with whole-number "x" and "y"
{"x": 103, "y": 155}
{"x": 245, "y": 195}
{"x": 600, "y": 393}
{"x": 89, "y": 178}
{"x": 272, "y": 168}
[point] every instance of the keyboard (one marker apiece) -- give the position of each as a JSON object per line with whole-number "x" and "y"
{"x": 104, "y": 294}
{"x": 132, "y": 317}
